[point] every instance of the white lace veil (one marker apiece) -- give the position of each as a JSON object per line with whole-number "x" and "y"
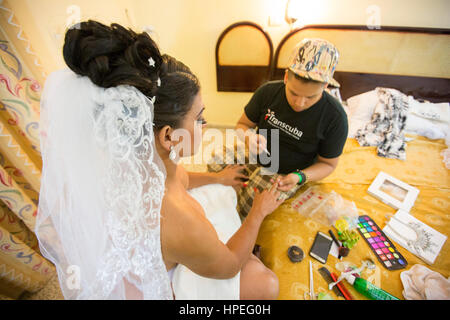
{"x": 101, "y": 190}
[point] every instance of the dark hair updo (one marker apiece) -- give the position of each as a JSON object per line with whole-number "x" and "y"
{"x": 113, "y": 55}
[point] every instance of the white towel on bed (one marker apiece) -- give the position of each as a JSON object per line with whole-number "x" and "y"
{"x": 219, "y": 203}
{"x": 421, "y": 283}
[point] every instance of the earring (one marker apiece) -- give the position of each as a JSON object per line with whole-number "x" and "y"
{"x": 172, "y": 154}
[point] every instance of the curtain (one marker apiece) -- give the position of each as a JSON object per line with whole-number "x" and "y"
{"x": 22, "y": 267}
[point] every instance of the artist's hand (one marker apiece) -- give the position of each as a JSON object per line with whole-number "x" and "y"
{"x": 287, "y": 182}
{"x": 232, "y": 175}
{"x": 257, "y": 143}
{"x": 266, "y": 202}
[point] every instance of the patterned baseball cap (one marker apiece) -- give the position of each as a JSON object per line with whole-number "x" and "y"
{"x": 315, "y": 59}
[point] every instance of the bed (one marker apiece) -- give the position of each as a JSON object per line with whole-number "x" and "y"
{"x": 370, "y": 59}
{"x": 415, "y": 62}
{"x": 357, "y": 169}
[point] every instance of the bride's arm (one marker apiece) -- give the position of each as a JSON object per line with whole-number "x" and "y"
{"x": 195, "y": 244}
{"x": 230, "y": 176}
{"x": 203, "y": 252}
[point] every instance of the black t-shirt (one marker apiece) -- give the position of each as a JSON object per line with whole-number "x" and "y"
{"x": 319, "y": 130}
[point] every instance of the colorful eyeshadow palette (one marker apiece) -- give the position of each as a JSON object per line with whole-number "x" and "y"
{"x": 383, "y": 248}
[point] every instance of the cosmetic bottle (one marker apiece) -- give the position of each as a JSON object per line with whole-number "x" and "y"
{"x": 368, "y": 289}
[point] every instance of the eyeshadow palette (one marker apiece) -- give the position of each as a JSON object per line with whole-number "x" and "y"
{"x": 380, "y": 244}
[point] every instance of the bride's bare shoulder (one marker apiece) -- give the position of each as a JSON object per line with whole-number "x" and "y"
{"x": 183, "y": 225}
{"x": 178, "y": 205}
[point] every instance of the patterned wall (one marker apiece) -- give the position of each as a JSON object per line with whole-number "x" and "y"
{"x": 22, "y": 268}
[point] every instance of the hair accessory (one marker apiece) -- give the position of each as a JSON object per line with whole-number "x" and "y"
{"x": 158, "y": 82}
{"x": 315, "y": 59}
{"x": 151, "y": 62}
{"x": 153, "y": 99}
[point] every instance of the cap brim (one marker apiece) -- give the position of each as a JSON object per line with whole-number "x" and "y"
{"x": 310, "y": 76}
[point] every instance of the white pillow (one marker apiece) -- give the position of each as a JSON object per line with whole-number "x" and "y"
{"x": 359, "y": 110}
{"x": 428, "y": 110}
{"x": 362, "y": 105}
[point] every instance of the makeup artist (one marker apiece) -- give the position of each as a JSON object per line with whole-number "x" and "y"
{"x": 312, "y": 125}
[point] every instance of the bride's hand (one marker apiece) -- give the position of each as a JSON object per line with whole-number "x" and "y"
{"x": 267, "y": 201}
{"x": 232, "y": 175}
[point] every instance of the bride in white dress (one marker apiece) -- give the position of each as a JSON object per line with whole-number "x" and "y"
{"x": 115, "y": 214}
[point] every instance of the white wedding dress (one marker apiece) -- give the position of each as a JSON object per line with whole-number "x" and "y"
{"x": 219, "y": 203}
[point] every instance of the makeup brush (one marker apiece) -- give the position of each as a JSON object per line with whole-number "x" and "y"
{"x": 342, "y": 251}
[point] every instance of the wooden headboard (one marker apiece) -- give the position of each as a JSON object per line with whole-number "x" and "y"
{"x": 244, "y": 53}
{"x": 415, "y": 61}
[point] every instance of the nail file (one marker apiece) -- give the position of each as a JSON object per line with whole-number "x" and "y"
{"x": 327, "y": 276}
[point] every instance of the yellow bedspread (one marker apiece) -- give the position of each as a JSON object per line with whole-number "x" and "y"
{"x": 358, "y": 167}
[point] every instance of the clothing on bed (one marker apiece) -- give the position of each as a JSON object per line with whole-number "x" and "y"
{"x": 430, "y": 120}
{"x": 386, "y": 128}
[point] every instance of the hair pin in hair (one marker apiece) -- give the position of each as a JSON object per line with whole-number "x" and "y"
{"x": 158, "y": 82}
{"x": 151, "y": 62}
